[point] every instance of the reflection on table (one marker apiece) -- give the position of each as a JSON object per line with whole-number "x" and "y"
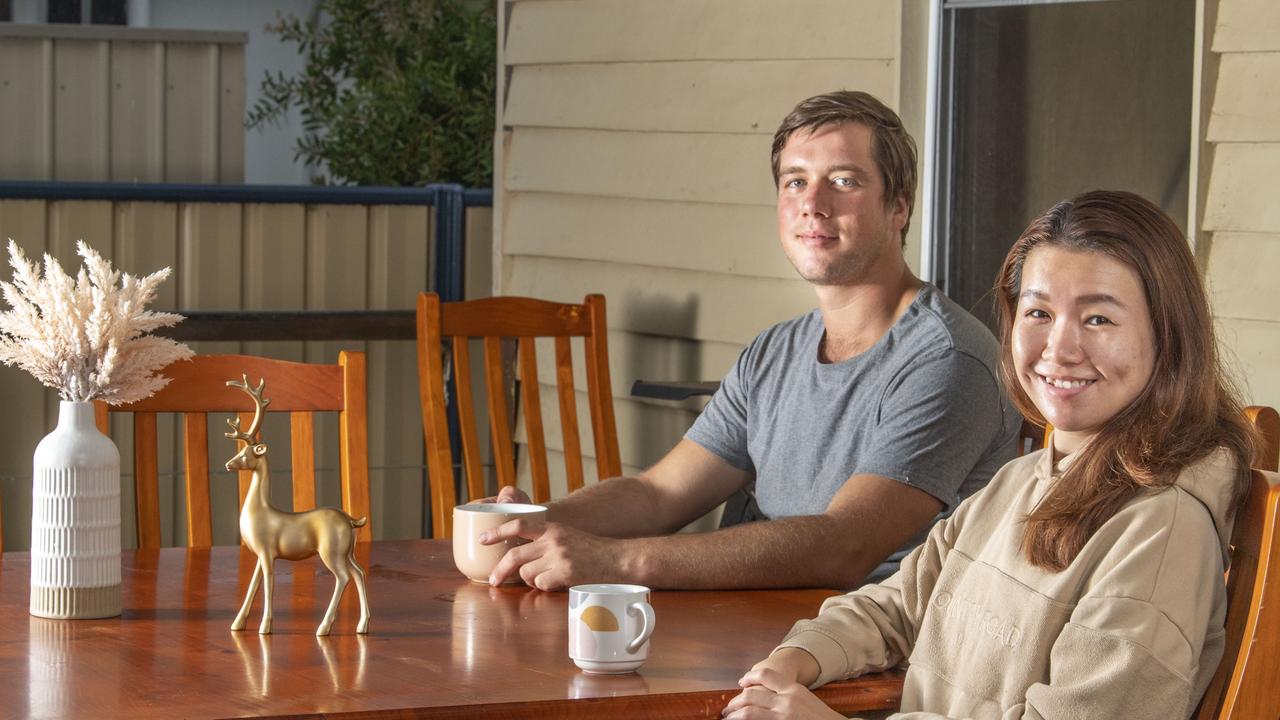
{"x": 439, "y": 646}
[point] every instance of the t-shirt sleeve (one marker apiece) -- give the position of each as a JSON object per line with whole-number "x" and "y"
{"x": 722, "y": 426}
{"x": 937, "y": 420}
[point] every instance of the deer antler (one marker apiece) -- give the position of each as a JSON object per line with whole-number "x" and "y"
{"x": 259, "y": 406}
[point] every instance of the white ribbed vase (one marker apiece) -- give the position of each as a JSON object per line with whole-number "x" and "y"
{"x": 75, "y": 520}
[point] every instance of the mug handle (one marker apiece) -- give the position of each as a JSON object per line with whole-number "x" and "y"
{"x": 646, "y": 629}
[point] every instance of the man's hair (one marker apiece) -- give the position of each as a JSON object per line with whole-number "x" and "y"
{"x": 892, "y": 147}
{"x": 1189, "y": 407}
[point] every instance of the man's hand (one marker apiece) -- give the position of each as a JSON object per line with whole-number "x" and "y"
{"x": 773, "y": 694}
{"x": 556, "y": 557}
{"x": 508, "y": 494}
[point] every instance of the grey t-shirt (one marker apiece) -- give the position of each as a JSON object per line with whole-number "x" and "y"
{"x": 922, "y": 406}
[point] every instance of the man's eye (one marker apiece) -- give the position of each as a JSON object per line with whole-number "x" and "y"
{"x": 844, "y": 182}
{"x": 793, "y": 183}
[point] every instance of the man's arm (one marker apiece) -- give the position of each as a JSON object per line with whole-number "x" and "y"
{"x": 687, "y": 483}
{"x": 869, "y": 518}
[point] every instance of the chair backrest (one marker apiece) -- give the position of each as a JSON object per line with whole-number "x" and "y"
{"x": 492, "y": 320}
{"x": 198, "y": 387}
{"x": 1246, "y": 685}
{"x": 1264, "y": 418}
{"x": 1267, "y": 421}
{"x": 1032, "y": 437}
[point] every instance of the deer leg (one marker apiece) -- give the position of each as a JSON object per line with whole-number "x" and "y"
{"x": 268, "y": 589}
{"x": 340, "y": 578}
{"x": 358, "y": 575}
{"x": 238, "y": 623}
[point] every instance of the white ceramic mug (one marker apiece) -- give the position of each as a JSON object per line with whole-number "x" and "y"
{"x": 477, "y": 561}
{"x": 609, "y": 627}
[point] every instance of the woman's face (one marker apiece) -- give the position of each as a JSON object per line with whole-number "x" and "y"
{"x": 1083, "y": 345}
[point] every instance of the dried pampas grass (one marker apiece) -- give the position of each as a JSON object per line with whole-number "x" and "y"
{"x": 86, "y": 337}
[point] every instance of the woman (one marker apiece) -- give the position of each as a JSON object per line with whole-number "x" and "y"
{"x": 1085, "y": 580}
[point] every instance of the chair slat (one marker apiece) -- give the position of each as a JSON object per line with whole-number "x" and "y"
{"x": 244, "y": 479}
{"x": 599, "y": 392}
{"x": 354, "y": 448}
{"x": 1033, "y": 437}
{"x": 302, "y": 456}
{"x": 195, "y": 442}
{"x": 146, "y": 480}
{"x": 101, "y": 417}
{"x": 435, "y": 424}
{"x": 504, "y": 458}
{"x": 529, "y": 390}
{"x": 466, "y": 417}
{"x": 568, "y": 415}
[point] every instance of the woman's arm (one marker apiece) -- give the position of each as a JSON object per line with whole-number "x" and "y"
{"x": 874, "y": 628}
{"x": 869, "y": 629}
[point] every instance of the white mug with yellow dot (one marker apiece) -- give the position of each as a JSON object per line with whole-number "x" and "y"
{"x": 609, "y": 627}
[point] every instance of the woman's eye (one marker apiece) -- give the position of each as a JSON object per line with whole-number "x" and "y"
{"x": 1036, "y": 313}
{"x": 1097, "y": 320}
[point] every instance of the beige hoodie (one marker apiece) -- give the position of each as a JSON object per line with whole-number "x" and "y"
{"x": 1132, "y": 629}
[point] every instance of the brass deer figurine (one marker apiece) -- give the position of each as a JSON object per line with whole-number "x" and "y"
{"x": 272, "y": 533}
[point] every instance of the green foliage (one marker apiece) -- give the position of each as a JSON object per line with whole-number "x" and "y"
{"x": 395, "y": 92}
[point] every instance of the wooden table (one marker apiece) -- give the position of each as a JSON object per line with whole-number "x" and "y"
{"x": 439, "y": 646}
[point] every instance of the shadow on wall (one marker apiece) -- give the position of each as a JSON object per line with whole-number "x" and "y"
{"x": 665, "y": 352}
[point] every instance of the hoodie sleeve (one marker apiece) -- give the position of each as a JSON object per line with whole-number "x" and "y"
{"x": 875, "y": 627}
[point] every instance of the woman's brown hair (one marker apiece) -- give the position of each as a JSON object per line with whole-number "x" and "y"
{"x": 1188, "y": 408}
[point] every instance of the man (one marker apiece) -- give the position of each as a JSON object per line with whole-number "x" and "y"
{"x": 858, "y": 423}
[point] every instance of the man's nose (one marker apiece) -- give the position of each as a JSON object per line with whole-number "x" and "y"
{"x": 816, "y": 201}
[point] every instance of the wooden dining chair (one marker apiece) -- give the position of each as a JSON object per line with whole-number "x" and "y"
{"x": 198, "y": 387}
{"x": 1245, "y": 686}
{"x": 1267, "y": 421}
{"x": 1032, "y": 437}
{"x": 1264, "y": 418}
{"x": 492, "y": 320}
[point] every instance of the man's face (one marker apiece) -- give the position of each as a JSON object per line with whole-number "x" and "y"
{"x": 832, "y": 218}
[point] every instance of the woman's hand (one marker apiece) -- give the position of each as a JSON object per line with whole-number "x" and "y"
{"x": 792, "y": 664}
{"x": 769, "y": 693}
{"x": 775, "y": 688}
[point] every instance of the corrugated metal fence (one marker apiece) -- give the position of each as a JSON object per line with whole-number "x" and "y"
{"x": 250, "y": 248}
{"x": 128, "y": 104}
